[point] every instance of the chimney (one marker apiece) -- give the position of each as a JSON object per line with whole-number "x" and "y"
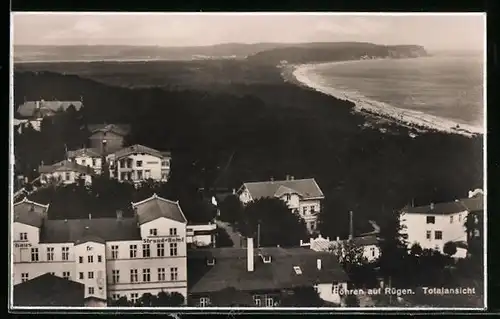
{"x": 234, "y": 191}
{"x": 287, "y": 177}
{"x": 250, "y": 257}
{"x": 432, "y": 205}
{"x": 90, "y": 216}
{"x": 272, "y": 179}
{"x": 351, "y": 227}
{"x": 318, "y": 263}
{"x": 292, "y": 178}
{"x": 119, "y": 214}
{"x": 338, "y": 238}
{"x": 37, "y": 103}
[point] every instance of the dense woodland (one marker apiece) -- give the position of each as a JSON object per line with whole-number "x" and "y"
{"x": 226, "y": 132}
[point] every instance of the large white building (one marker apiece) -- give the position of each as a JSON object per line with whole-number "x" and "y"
{"x": 65, "y": 172}
{"x": 137, "y": 163}
{"x": 303, "y": 196}
{"x": 433, "y": 225}
{"x": 89, "y": 157}
{"x": 112, "y": 257}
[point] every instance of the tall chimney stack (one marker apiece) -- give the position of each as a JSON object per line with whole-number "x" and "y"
{"x": 250, "y": 257}
{"x": 318, "y": 263}
{"x": 90, "y": 216}
{"x": 351, "y": 227}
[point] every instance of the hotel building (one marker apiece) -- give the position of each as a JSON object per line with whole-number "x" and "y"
{"x": 112, "y": 257}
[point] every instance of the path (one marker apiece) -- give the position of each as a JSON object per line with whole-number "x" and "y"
{"x": 233, "y": 234}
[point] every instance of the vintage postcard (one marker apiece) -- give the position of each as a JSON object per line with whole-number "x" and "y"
{"x": 261, "y": 161}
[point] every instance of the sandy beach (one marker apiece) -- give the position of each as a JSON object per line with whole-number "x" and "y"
{"x": 302, "y": 75}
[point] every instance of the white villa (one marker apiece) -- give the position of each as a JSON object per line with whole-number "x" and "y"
{"x": 303, "y": 196}
{"x": 89, "y": 157}
{"x": 65, "y": 172}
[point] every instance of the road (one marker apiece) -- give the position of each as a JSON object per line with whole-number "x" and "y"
{"x": 233, "y": 234}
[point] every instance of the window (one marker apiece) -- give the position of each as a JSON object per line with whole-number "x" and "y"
{"x": 173, "y": 231}
{"x": 122, "y": 163}
{"x": 288, "y": 197}
{"x": 23, "y": 236}
{"x": 451, "y": 219}
{"x": 269, "y": 302}
{"x": 316, "y": 288}
{"x": 160, "y": 250}
{"x": 94, "y": 162}
{"x": 147, "y": 174}
{"x": 123, "y": 176}
{"x": 84, "y": 162}
{"x": 24, "y": 277}
{"x": 438, "y": 235}
{"x": 139, "y": 174}
{"x": 372, "y": 250}
{"x": 133, "y": 251}
{"x": 146, "y": 252}
{"x": 431, "y": 220}
{"x": 52, "y": 273}
{"x": 91, "y": 290}
{"x": 153, "y": 232}
{"x": 81, "y": 275}
{"x": 146, "y": 275}
{"x": 138, "y": 163}
{"x": 297, "y": 270}
{"x": 34, "y": 254}
{"x": 164, "y": 163}
{"x": 428, "y": 234}
{"x": 66, "y": 274}
{"x": 50, "y": 253}
{"x": 129, "y": 162}
{"x": 90, "y": 259}
{"x": 134, "y": 297}
{"x": 91, "y": 275}
{"x": 257, "y": 300}
{"x": 173, "y": 273}
{"x": 164, "y": 175}
{"x": 304, "y": 210}
{"x": 66, "y": 176}
{"x": 114, "y": 252}
{"x": 204, "y": 301}
{"x": 99, "y": 258}
{"x": 133, "y": 275}
{"x": 115, "y": 296}
{"x": 115, "y": 276}
{"x": 65, "y": 253}
{"x": 173, "y": 249}
{"x": 80, "y": 259}
{"x": 161, "y": 274}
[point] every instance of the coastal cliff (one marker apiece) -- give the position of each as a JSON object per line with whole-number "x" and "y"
{"x": 337, "y": 51}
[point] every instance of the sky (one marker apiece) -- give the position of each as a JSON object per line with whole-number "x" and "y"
{"x": 434, "y": 32}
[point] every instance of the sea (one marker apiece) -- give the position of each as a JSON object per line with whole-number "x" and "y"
{"x": 441, "y": 91}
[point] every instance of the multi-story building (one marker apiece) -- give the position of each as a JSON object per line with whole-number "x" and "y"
{"x": 201, "y": 235}
{"x": 303, "y": 196}
{"x": 107, "y": 138}
{"x": 65, "y": 172}
{"x": 261, "y": 277}
{"x": 433, "y": 225}
{"x": 90, "y": 157}
{"x": 137, "y": 163}
{"x": 112, "y": 257}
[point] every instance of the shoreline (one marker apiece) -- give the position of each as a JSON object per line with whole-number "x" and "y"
{"x": 298, "y": 75}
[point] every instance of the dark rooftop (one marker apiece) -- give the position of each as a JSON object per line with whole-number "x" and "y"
{"x": 83, "y": 230}
{"x": 474, "y": 204}
{"x": 136, "y": 149}
{"x": 66, "y": 166}
{"x": 121, "y": 129}
{"x": 437, "y": 209}
{"x": 90, "y": 152}
{"x": 29, "y": 212}
{"x": 49, "y": 290}
{"x": 306, "y": 188}
{"x": 155, "y": 207}
{"x": 230, "y": 269}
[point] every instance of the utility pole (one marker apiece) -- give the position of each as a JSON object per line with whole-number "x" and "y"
{"x": 351, "y": 227}
{"x": 258, "y": 235}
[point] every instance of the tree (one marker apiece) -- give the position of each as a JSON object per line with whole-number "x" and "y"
{"x": 302, "y": 297}
{"x": 416, "y": 250}
{"x": 450, "y": 248}
{"x": 165, "y": 299}
{"x": 147, "y": 300}
{"x": 231, "y": 209}
{"x": 278, "y": 225}
{"x": 122, "y": 302}
{"x": 393, "y": 247}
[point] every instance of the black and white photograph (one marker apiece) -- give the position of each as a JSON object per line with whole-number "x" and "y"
{"x": 253, "y": 161}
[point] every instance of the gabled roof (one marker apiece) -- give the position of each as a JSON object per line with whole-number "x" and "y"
{"x": 120, "y": 129}
{"x": 137, "y": 149}
{"x": 230, "y": 269}
{"x": 49, "y": 290}
{"x": 90, "y": 152}
{"x": 437, "y": 209}
{"x": 29, "y": 109}
{"x": 98, "y": 230}
{"x": 66, "y": 166}
{"x": 30, "y": 213}
{"x": 156, "y": 207}
{"x": 474, "y": 204}
{"x": 306, "y": 188}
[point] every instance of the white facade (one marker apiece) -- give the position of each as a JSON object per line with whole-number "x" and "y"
{"x": 433, "y": 231}
{"x": 138, "y": 167}
{"x": 95, "y": 162}
{"x": 65, "y": 177}
{"x": 332, "y": 292}
{"x": 371, "y": 251}
{"x": 201, "y": 235}
{"x": 154, "y": 261}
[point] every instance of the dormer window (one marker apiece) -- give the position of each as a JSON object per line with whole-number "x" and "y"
{"x": 297, "y": 270}
{"x": 211, "y": 261}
